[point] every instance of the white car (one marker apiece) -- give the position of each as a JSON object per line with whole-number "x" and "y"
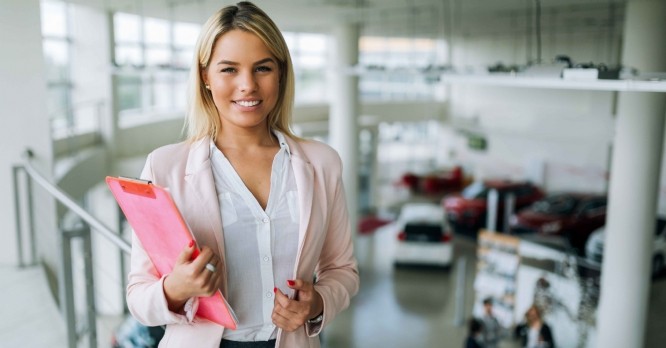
{"x": 594, "y": 248}
{"x": 424, "y": 237}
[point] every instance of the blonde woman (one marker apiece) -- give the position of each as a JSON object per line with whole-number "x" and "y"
{"x": 266, "y": 208}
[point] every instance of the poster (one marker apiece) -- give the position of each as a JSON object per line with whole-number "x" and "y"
{"x": 497, "y": 266}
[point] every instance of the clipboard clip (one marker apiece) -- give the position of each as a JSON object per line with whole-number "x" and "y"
{"x": 137, "y": 186}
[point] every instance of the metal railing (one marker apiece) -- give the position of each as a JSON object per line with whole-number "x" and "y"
{"x": 90, "y": 223}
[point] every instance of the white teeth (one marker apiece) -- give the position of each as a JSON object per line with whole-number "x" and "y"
{"x": 247, "y": 103}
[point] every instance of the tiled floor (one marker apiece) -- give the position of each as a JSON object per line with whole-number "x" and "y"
{"x": 29, "y": 315}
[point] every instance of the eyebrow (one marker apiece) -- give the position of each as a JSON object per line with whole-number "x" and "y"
{"x": 265, "y": 60}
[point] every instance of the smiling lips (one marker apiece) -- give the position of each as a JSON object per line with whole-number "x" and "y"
{"x": 247, "y": 103}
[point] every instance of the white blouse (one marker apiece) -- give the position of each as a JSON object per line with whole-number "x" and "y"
{"x": 260, "y": 246}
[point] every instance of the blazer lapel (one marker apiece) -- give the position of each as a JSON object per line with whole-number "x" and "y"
{"x": 304, "y": 177}
{"x": 203, "y": 203}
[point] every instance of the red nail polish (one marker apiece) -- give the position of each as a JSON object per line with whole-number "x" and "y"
{"x": 191, "y": 243}
{"x": 275, "y": 290}
{"x": 291, "y": 282}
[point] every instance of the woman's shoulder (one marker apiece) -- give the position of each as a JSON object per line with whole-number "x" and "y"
{"x": 318, "y": 152}
{"x": 171, "y": 156}
{"x": 172, "y": 151}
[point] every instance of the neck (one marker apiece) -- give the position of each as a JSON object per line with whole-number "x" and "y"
{"x": 245, "y": 138}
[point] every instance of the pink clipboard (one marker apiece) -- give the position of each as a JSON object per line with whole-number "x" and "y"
{"x": 158, "y": 224}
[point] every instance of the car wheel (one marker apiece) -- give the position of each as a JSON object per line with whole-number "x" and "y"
{"x": 657, "y": 265}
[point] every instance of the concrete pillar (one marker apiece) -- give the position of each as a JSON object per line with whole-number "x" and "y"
{"x": 343, "y": 115}
{"x": 25, "y": 124}
{"x": 638, "y": 143}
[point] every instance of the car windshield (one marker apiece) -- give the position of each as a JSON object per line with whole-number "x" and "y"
{"x": 475, "y": 190}
{"x": 560, "y": 205}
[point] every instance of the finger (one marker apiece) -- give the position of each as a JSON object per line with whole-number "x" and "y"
{"x": 204, "y": 257}
{"x": 281, "y": 298}
{"x": 302, "y": 289}
{"x": 184, "y": 256}
{"x": 284, "y": 303}
{"x": 287, "y": 319}
{"x": 280, "y": 320}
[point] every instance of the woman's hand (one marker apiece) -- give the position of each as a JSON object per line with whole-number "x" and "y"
{"x": 290, "y": 314}
{"x": 191, "y": 278}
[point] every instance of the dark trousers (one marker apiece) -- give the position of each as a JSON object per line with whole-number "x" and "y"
{"x": 257, "y": 344}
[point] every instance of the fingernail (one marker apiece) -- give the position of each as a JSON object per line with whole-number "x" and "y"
{"x": 191, "y": 243}
{"x": 291, "y": 282}
{"x": 275, "y": 290}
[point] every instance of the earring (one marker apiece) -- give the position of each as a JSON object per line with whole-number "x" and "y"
{"x": 208, "y": 87}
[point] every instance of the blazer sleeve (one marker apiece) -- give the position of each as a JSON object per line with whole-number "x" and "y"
{"x": 337, "y": 279}
{"x": 145, "y": 295}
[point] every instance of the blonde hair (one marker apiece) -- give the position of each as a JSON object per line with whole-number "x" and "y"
{"x": 202, "y": 117}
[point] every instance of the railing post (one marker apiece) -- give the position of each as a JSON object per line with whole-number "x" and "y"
{"x": 67, "y": 288}
{"x": 91, "y": 312}
{"x": 31, "y": 221}
{"x": 17, "y": 215}
{"x": 123, "y": 265}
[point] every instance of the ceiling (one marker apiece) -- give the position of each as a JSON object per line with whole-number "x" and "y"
{"x": 407, "y": 18}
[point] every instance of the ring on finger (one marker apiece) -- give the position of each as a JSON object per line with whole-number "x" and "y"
{"x": 211, "y": 267}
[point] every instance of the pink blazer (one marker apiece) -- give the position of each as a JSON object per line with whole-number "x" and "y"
{"x": 325, "y": 244}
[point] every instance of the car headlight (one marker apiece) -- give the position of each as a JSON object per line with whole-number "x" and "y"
{"x": 551, "y": 227}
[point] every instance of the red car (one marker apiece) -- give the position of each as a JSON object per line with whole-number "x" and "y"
{"x": 434, "y": 183}
{"x": 571, "y": 215}
{"x": 466, "y": 211}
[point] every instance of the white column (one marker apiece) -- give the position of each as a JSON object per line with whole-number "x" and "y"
{"x": 343, "y": 115}
{"x": 25, "y": 123}
{"x": 625, "y": 282}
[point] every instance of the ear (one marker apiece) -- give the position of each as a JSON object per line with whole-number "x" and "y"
{"x": 204, "y": 75}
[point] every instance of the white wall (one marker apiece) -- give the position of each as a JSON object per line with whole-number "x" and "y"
{"x": 568, "y": 133}
{"x": 25, "y": 123}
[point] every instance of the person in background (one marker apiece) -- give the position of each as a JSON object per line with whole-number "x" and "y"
{"x": 534, "y": 332}
{"x": 475, "y": 334}
{"x": 492, "y": 331}
{"x": 266, "y": 208}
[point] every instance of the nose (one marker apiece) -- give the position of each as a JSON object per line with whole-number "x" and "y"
{"x": 247, "y": 82}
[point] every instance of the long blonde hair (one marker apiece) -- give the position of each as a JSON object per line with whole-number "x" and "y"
{"x": 202, "y": 117}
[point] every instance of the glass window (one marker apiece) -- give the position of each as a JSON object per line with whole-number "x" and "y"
{"x": 308, "y": 53}
{"x": 315, "y": 43}
{"x": 129, "y": 92}
{"x": 162, "y": 90}
{"x": 393, "y": 66}
{"x": 159, "y": 53}
{"x": 156, "y": 31}
{"x": 127, "y": 27}
{"x": 54, "y": 18}
{"x": 56, "y": 47}
{"x": 57, "y": 101}
{"x": 158, "y": 56}
{"x": 185, "y": 34}
{"x": 183, "y": 58}
{"x": 129, "y": 55}
{"x": 56, "y": 55}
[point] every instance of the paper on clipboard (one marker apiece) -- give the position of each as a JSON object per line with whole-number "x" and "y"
{"x": 152, "y": 213}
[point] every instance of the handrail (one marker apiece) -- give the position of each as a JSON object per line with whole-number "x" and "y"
{"x": 70, "y": 203}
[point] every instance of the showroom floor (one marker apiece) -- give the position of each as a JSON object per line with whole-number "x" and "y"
{"x": 394, "y": 308}
{"x": 416, "y": 307}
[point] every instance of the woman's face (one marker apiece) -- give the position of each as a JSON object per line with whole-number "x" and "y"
{"x": 244, "y": 80}
{"x": 532, "y": 315}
